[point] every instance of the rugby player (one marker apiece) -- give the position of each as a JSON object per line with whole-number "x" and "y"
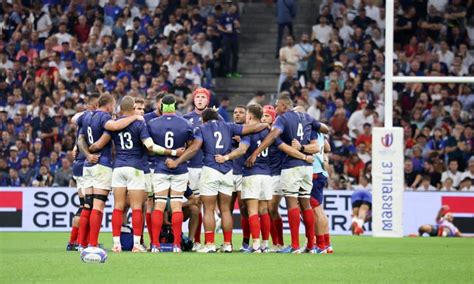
{"x": 296, "y": 175}
{"x": 320, "y": 148}
{"x": 444, "y": 225}
{"x": 150, "y": 160}
{"x": 276, "y": 156}
{"x": 77, "y": 168}
{"x": 240, "y": 113}
{"x": 97, "y": 177}
{"x": 201, "y": 99}
{"x": 361, "y": 201}
{"x": 174, "y": 132}
{"x": 216, "y": 184}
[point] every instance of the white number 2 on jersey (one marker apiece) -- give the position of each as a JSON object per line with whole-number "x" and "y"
{"x": 89, "y": 135}
{"x": 218, "y": 136}
{"x": 169, "y": 140}
{"x": 264, "y": 153}
{"x": 126, "y": 140}
{"x": 299, "y": 131}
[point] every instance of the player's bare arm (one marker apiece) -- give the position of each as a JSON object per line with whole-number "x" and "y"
{"x": 292, "y": 152}
{"x": 324, "y": 128}
{"x": 157, "y": 149}
{"x": 101, "y": 143}
{"x": 274, "y": 134}
{"x": 254, "y": 128}
{"x": 117, "y": 125}
{"x": 188, "y": 154}
{"x": 239, "y": 152}
{"x": 82, "y": 145}
{"x": 311, "y": 148}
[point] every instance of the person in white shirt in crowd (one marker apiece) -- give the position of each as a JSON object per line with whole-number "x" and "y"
{"x": 62, "y": 35}
{"x": 345, "y": 31}
{"x": 359, "y": 118}
{"x": 425, "y": 184}
{"x": 289, "y": 57}
{"x": 173, "y": 26}
{"x": 466, "y": 185}
{"x": 448, "y": 185}
{"x": 305, "y": 49}
{"x": 203, "y": 47}
{"x": 453, "y": 173}
{"x": 322, "y": 31}
{"x": 41, "y": 22}
{"x": 173, "y": 65}
{"x": 445, "y": 55}
{"x": 372, "y": 10}
{"x": 317, "y": 109}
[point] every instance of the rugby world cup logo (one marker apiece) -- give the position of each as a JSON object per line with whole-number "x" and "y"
{"x": 387, "y": 140}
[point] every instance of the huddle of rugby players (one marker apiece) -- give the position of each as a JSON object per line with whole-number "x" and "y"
{"x": 164, "y": 166}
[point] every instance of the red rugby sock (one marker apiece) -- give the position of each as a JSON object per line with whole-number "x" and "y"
{"x": 320, "y": 241}
{"x": 294, "y": 220}
{"x": 197, "y": 235}
{"x": 209, "y": 237}
{"x": 227, "y": 237}
{"x": 117, "y": 219}
{"x": 95, "y": 223}
{"x": 82, "y": 235}
{"x": 73, "y": 236}
{"x": 265, "y": 226}
{"x": 308, "y": 219}
{"x": 254, "y": 223}
{"x": 157, "y": 221}
{"x": 327, "y": 239}
{"x": 244, "y": 221}
{"x": 137, "y": 222}
{"x": 177, "y": 224}
{"x": 149, "y": 225}
{"x": 279, "y": 230}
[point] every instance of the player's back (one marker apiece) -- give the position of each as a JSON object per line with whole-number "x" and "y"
{"x": 80, "y": 157}
{"x": 295, "y": 125}
{"x": 129, "y": 149}
{"x": 93, "y": 127}
{"x": 217, "y": 140}
{"x": 275, "y": 158}
{"x": 171, "y": 132}
{"x": 262, "y": 163}
{"x": 195, "y": 120}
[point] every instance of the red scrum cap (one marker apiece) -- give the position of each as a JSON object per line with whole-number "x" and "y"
{"x": 270, "y": 110}
{"x": 202, "y": 91}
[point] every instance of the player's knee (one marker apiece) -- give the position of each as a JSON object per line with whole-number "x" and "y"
{"x": 88, "y": 201}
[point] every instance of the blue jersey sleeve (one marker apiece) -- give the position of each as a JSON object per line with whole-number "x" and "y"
{"x": 190, "y": 131}
{"x": 104, "y": 118}
{"x": 314, "y": 135}
{"x": 245, "y": 139}
{"x": 236, "y": 129}
{"x": 279, "y": 124}
{"x": 144, "y": 134}
{"x": 198, "y": 133}
{"x": 80, "y": 119}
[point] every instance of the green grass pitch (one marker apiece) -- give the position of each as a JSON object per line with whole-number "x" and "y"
{"x": 41, "y": 257}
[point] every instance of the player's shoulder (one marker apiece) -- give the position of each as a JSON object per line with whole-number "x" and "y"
{"x": 190, "y": 114}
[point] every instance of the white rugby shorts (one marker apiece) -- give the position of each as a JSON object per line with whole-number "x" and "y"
{"x": 256, "y": 187}
{"x": 276, "y": 187}
{"x": 162, "y": 182}
{"x": 129, "y": 177}
{"x": 237, "y": 183}
{"x": 98, "y": 176}
{"x": 213, "y": 182}
{"x": 194, "y": 178}
{"x": 297, "y": 181}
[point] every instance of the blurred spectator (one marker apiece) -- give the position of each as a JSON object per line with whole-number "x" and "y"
{"x": 286, "y": 12}
{"x": 258, "y": 99}
{"x": 229, "y": 26}
{"x": 289, "y": 57}
{"x": 63, "y": 175}
{"x": 359, "y": 118}
{"x": 452, "y": 173}
{"x": 222, "y": 110}
{"x": 426, "y": 184}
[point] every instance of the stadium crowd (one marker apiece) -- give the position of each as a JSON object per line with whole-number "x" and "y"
{"x": 336, "y": 72}
{"x": 53, "y": 56}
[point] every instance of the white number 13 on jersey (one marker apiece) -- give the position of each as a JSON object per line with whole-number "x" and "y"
{"x": 299, "y": 131}
{"x": 126, "y": 140}
{"x": 218, "y": 136}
